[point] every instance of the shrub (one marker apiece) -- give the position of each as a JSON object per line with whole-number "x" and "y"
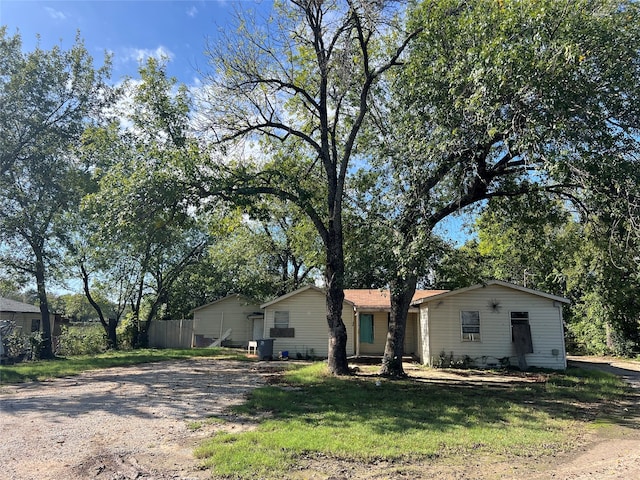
{"x": 126, "y": 332}
{"x": 19, "y": 347}
{"x": 81, "y": 340}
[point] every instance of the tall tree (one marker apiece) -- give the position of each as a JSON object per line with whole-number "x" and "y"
{"x": 501, "y": 99}
{"x": 302, "y": 81}
{"x": 145, "y": 231}
{"x": 47, "y": 97}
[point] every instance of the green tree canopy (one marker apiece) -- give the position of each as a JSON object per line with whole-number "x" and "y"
{"x": 499, "y": 99}
{"x": 47, "y": 99}
{"x": 300, "y": 83}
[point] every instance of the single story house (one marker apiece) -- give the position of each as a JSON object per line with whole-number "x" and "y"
{"x": 490, "y": 324}
{"x": 234, "y": 320}
{"x": 26, "y": 317}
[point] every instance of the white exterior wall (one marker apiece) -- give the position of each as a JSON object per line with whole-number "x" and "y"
{"x": 232, "y": 312}
{"x": 411, "y": 334}
{"x": 308, "y": 316}
{"x": 440, "y": 321}
{"x": 424, "y": 346}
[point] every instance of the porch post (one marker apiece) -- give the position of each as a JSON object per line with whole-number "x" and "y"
{"x": 357, "y": 339}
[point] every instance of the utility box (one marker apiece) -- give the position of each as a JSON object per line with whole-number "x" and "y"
{"x": 265, "y": 349}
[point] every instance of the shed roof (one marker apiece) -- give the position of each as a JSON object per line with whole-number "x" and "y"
{"x": 8, "y": 305}
{"x": 294, "y": 293}
{"x": 555, "y": 298}
{"x": 239, "y": 296}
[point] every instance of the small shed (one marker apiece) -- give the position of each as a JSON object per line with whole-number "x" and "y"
{"x": 233, "y": 321}
{"x": 491, "y": 324}
{"x": 297, "y": 322}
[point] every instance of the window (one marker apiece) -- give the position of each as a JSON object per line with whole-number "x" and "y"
{"x": 35, "y": 325}
{"x": 281, "y": 319}
{"x": 281, "y": 326}
{"x": 470, "y": 323}
{"x": 366, "y": 328}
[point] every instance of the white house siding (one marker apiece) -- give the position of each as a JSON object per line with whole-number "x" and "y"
{"x": 444, "y": 330}
{"x": 232, "y": 312}
{"x": 411, "y": 334}
{"x": 423, "y": 349}
{"x": 308, "y": 317}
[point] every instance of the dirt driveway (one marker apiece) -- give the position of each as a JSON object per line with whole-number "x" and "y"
{"x": 133, "y": 423}
{"x": 118, "y": 423}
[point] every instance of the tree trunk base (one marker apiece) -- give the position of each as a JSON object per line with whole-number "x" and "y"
{"x": 392, "y": 368}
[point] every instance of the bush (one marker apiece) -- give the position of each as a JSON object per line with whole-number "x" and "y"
{"x": 15, "y": 347}
{"x": 445, "y": 360}
{"x": 19, "y": 347}
{"x": 81, "y": 340}
{"x": 126, "y": 333}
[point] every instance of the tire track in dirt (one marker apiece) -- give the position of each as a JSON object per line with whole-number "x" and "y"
{"x": 120, "y": 422}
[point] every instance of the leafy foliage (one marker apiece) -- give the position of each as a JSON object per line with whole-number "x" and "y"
{"x": 301, "y": 83}
{"x": 496, "y": 99}
{"x": 47, "y": 99}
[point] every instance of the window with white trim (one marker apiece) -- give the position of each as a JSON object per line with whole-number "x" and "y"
{"x": 470, "y": 325}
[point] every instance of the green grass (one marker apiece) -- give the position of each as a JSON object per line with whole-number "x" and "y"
{"x": 61, "y": 367}
{"x": 355, "y": 419}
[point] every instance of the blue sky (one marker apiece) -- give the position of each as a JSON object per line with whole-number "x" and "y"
{"x": 130, "y": 29}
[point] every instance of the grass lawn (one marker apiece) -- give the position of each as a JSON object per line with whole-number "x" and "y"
{"x": 305, "y": 414}
{"x": 61, "y": 367}
{"x": 309, "y": 414}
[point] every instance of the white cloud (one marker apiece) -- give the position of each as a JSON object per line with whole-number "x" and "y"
{"x": 55, "y": 14}
{"x": 192, "y": 12}
{"x": 141, "y": 54}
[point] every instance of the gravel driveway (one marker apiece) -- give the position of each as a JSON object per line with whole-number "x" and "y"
{"x": 132, "y": 423}
{"x": 118, "y": 423}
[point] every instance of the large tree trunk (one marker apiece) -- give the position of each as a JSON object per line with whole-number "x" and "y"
{"x": 112, "y": 335}
{"x": 402, "y": 291}
{"x": 47, "y": 339}
{"x": 334, "y": 279}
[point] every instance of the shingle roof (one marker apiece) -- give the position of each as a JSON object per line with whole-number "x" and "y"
{"x": 240, "y": 297}
{"x": 380, "y": 299}
{"x": 8, "y": 305}
{"x": 421, "y": 299}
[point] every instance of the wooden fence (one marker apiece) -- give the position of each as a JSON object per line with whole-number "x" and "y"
{"x": 171, "y": 333}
